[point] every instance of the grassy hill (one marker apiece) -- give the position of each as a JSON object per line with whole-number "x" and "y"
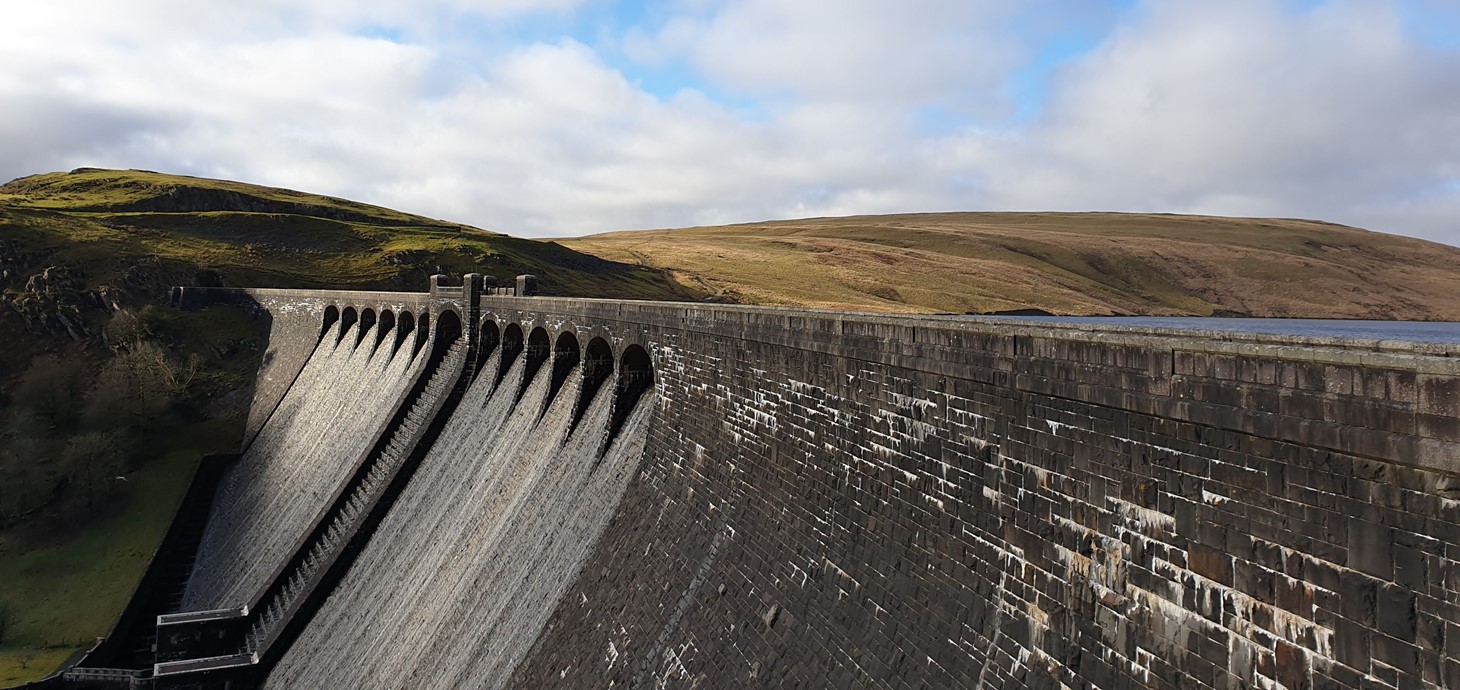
{"x": 104, "y": 222}
{"x": 108, "y": 399}
{"x": 1063, "y": 263}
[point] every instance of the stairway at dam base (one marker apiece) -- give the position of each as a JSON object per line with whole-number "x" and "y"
{"x": 633, "y": 494}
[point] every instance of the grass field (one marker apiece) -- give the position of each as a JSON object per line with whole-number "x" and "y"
{"x": 68, "y": 591}
{"x": 1063, "y": 263}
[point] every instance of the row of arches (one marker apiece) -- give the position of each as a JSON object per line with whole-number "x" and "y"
{"x": 634, "y": 367}
{"x": 399, "y": 328}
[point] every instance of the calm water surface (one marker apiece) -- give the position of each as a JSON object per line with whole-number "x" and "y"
{"x": 1411, "y": 331}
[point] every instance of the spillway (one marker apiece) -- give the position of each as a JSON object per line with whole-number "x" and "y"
{"x": 493, "y": 527}
{"x": 265, "y": 502}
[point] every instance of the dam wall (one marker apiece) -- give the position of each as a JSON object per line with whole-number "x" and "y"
{"x": 638, "y": 494}
{"x": 862, "y": 501}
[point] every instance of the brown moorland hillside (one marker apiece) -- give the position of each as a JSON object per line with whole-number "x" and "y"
{"x": 1063, "y": 263}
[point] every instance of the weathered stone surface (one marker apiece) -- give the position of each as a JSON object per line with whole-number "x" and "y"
{"x": 879, "y": 501}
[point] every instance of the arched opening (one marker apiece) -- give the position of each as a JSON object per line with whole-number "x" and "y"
{"x": 387, "y": 324}
{"x": 511, "y": 347}
{"x": 565, "y": 357}
{"x": 348, "y": 318}
{"x": 489, "y": 336}
{"x": 331, "y": 315}
{"x": 367, "y": 320}
{"x": 448, "y": 331}
{"x": 597, "y": 367}
{"x": 405, "y": 328}
{"x": 423, "y": 333}
{"x": 635, "y": 376}
{"x": 539, "y": 347}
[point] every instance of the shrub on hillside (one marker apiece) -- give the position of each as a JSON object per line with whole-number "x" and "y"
{"x": 7, "y": 618}
{"x": 28, "y": 479}
{"x": 95, "y": 462}
{"x": 50, "y": 390}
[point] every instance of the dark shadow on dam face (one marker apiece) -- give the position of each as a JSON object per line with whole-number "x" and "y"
{"x": 489, "y": 336}
{"x": 565, "y": 359}
{"x": 448, "y": 331}
{"x": 423, "y": 333}
{"x": 597, "y": 368}
{"x": 511, "y": 347}
{"x": 347, "y": 319}
{"x": 636, "y": 375}
{"x": 367, "y": 319}
{"x": 331, "y": 315}
{"x": 387, "y": 323}
{"x": 405, "y": 329}
{"x": 539, "y": 347}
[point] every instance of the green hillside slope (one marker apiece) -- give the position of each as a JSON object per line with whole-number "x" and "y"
{"x": 108, "y": 399}
{"x": 1064, "y": 263}
{"x": 105, "y": 222}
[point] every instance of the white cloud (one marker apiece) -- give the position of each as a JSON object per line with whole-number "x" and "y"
{"x": 1238, "y": 107}
{"x": 865, "y": 51}
{"x": 1241, "y": 108}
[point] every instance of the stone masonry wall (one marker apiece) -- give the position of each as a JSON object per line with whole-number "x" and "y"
{"x": 850, "y": 500}
{"x": 859, "y": 501}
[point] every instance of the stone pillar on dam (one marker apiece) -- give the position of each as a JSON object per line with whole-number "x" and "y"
{"x": 639, "y": 494}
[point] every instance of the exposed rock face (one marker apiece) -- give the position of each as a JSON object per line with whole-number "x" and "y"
{"x": 51, "y": 302}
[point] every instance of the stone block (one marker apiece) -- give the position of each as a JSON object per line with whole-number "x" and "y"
{"x": 1357, "y": 594}
{"x": 1396, "y": 613}
{"x": 1370, "y": 548}
{"x": 1438, "y": 395}
{"x": 1210, "y": 563}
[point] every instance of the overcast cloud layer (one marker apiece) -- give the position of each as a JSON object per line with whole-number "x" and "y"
{"x": 573, "y": 116}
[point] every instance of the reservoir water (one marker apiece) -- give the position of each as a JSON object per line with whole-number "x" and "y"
{"x": 1406, "y": 331}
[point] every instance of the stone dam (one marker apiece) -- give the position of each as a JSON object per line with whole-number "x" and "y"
{"x": 478, "y": 487}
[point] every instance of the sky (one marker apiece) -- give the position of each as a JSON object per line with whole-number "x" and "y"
{"x": 562, "y": 117}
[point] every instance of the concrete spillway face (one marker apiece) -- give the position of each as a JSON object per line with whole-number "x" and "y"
{"x": 300, "y": 458}
{"x": 463, "y": 574}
